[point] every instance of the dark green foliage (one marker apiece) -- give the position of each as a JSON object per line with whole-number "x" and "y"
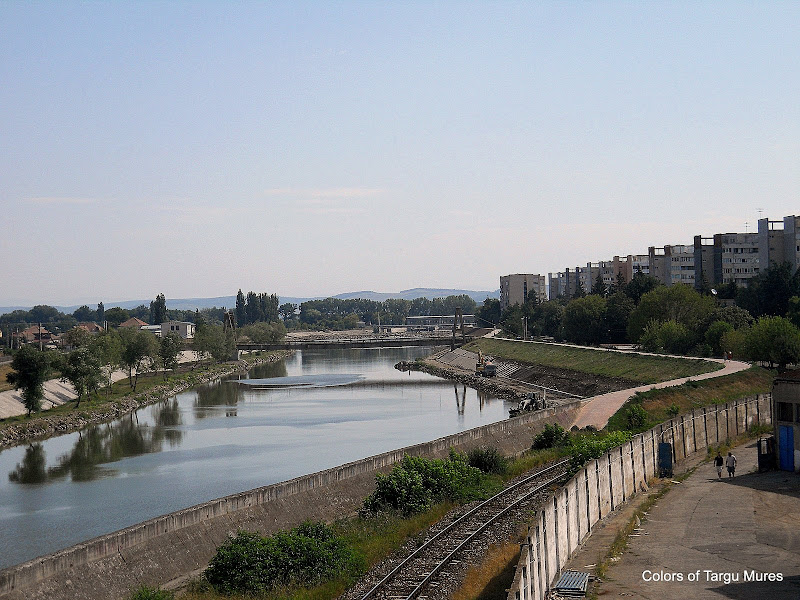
{"x": 488, "y": 459}
{"x": 158, "y": 310}
{"x": 417, "y": 483}
{"x": 673, "y": 410}
{"x": 550, "y": 437}
{"x": 770, "y": 291}
{"x": 636, "y": 417}
{"x": 305, "y": 555}
{"x": 31, "y": 370}
{"x": 587, "y": 447}
{"x": 488, "y": 314}
{"x": 148, "y": 593}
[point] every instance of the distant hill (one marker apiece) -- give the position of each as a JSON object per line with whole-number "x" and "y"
{"x": 230, "y": 301}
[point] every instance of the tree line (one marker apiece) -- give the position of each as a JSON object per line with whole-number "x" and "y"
{"x": 337, "y": 313}
{"x": 759, "y": 323}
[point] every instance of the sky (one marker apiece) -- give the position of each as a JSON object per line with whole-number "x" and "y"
{"x": 316, "y": 148}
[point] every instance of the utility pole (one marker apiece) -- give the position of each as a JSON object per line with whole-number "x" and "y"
{"x": 40, "y": 337}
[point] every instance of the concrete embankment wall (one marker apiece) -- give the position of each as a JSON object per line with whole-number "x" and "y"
{"x": 603, "y": 485}
{"x": 175, "y": 545}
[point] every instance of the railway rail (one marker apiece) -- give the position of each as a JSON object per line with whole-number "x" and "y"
{"x": 419, "y": 570}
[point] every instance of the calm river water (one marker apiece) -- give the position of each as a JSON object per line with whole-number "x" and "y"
{"x": 225, "y": 438}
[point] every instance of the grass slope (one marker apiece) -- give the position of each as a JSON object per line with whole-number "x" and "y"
{"x": 695, "y": 394}
{"x": 634, "y": 367}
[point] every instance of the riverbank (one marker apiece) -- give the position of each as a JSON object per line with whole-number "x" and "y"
{"x": 44, "y": 425}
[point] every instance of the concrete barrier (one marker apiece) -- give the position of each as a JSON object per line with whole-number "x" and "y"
{"x": 615, "y": 477}
{"x": 174, "y": 546}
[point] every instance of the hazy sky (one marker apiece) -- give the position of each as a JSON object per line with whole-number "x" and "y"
{"x": 314, "y": 148}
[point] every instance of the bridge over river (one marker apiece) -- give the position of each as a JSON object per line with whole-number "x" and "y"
{"x": 356, "y": 342}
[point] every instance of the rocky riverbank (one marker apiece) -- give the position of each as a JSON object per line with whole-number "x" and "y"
{"x": 484, "y": 384}
{"x": 47, "y": 425}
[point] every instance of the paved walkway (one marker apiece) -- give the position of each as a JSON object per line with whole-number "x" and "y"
{"x": 717, "y": 529}
{"x": 597, "y": 410}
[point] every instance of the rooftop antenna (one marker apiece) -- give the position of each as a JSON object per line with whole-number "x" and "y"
{"x": 747, "y": 227}
{"x": 760, "y": 212}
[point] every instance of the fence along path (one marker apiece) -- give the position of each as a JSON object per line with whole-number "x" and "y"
{"x": 604, "y": 484}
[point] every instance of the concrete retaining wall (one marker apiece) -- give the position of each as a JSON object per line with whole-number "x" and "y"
{"x": 176, "y": 545}
{"x": 604, "y": 484}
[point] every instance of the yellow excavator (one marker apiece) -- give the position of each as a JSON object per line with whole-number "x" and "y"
{"x": 485, "y": 367}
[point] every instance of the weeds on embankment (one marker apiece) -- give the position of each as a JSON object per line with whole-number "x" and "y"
{"x": 657, "y": 406}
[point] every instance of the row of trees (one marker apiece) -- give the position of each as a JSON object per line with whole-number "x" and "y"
{"x": 675, "y": 319}
{"x": 57, "y": 321}
{"x": 337, "y": 313}
{"x": 93, "y": 359}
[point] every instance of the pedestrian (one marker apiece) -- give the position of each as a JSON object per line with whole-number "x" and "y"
{"x": 730, "y": 462}
{"x": 718, "y": 461}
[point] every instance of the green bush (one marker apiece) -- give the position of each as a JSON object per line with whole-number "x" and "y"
{"x": 550, "y": 437}
{"x": 488, "y": 459}
{"x": 148, "y": 593}
{"x": 417, "y": 483}
{"x": 305, "y": 555}
{"x": 587, "y": 447}
{"x": 673, "y": 410}
{"x": 636, "y": 416}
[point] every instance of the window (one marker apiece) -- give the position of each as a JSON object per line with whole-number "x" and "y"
{"x": 785, "y": 411}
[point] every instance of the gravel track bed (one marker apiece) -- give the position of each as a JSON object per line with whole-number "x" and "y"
{"x": 450, "y": 578}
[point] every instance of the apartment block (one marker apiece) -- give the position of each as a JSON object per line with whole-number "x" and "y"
{"x": 673, "y": 264}
{"x": 771, "y": 248}
{"x": 791, "y": 240}
{"x": 737, "y": 254}
{"x": 514, "y": 289}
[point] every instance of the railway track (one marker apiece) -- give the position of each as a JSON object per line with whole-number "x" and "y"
{"x": 416, "y": 575}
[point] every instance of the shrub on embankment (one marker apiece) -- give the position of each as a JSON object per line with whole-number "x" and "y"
{"x": 416, "y": 483}
{"x": 253, "y": 564}
{"x": 634, "y": 367}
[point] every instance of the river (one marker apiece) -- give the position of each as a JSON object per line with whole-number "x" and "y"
{"x": 223, "y": 438}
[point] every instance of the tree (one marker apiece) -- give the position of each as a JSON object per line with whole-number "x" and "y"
{"x": 84, "y": 314}
{"x": 599, "y": 287}
{"x": 285, "y": 310}
{"x": 264, "y": 333}
{"x": 639, "y": 285}
{"x": 241, "y": 313}
{"x": 158, "y": 310}
{"x": 31, "y": 369}
{"x": 770, "y": 291}
{"x": 774, "y": 340}
{"x": 83, "y": 370}
{"x": 169, "y": 349}
{"x": 715, "y": 334}
{"x": 116, "y": 315}
{"x": 77, "y": 337}
{"x": 101, "y": 314}
{"x": 107, "y": 347}
{"x": 212, "y": 340}
{"x": 138, "y": 348}
{"x": 677, "y": 303}
{"x": 489, "y": 313}
{"x": 584, "y": 320}
{"x": 619, "y": 307}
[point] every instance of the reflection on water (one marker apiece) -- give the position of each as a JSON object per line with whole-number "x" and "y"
{"x": 223, "y": 438}
{"x": 100, "y": 445}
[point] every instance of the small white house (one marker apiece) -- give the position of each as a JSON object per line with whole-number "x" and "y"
{"x": 182, "y": 328}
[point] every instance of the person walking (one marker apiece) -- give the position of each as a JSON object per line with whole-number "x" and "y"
{"x": 730, "y": 462}
{"x": 718, "y": 462}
